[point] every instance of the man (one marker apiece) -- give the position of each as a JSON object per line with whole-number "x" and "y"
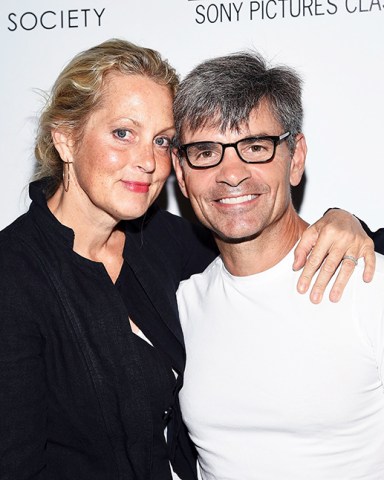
{"x": 275, "y": 386}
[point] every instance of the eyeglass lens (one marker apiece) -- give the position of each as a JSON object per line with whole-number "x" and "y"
{"x": 205, "y": 154}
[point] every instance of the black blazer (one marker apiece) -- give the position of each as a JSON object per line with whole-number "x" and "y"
{"x": 73, "y": 404}
{"x": 378, "y": 239}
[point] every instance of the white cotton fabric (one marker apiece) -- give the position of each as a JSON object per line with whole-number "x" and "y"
{"x": 277, "y": 388}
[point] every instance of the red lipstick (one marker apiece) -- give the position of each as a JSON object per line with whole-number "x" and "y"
{"x": 138, "y": 187}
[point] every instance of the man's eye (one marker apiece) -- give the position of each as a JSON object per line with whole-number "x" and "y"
{"x": 162, "y": 142}
{"x": 256, "y": 148}
{"x": 206, "y": 154}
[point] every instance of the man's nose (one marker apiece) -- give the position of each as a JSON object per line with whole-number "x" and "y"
{"x": 232, "y": 170}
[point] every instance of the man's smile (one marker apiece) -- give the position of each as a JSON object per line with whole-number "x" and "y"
{"x": 235, "y": 200}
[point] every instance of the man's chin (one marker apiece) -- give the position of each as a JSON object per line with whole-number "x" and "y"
{"x": 235, "y": 239}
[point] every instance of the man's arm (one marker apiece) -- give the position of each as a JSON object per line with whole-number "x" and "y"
{"x": 323, "y": 246}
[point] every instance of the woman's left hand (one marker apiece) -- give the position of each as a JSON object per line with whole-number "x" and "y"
{"x": 324, "y": 245}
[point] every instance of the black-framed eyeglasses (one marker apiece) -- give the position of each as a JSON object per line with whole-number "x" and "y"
{"x": 250, "y": 150}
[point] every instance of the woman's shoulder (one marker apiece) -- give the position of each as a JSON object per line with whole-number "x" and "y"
{"x": 21, "y": 249}
{"x": 23, "y": 284}
{"x": 16, "y": 234}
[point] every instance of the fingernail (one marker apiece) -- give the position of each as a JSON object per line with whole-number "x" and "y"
{"x": 301, "y": 287}
{"x": 316, "y": 297}
{"x": 335, "y": 297}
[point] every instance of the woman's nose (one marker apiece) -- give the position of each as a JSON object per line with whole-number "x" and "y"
{"x": 146, "y": 160}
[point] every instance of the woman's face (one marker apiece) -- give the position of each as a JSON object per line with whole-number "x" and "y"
{"x": 123, "y": 158}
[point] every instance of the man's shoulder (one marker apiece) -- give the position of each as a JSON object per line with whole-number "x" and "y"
{"x": 369, "y": 294}
{"x": 200, "y": 281}
{"x": 378, "y": 279}
{"x": 195, "y": 294}
{"x": 380, "y": 262}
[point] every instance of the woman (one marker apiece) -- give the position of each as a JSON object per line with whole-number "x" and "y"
{"x": 91, "y": 351}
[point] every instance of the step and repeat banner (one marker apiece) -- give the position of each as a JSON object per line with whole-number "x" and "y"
{"x": 337, "y": 46}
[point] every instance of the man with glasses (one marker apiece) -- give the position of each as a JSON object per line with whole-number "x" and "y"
{"x": 275, "y": 387}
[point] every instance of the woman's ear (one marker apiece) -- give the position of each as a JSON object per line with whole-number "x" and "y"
{"x": 298, "y": 160}
{"x": 63, "y": 142}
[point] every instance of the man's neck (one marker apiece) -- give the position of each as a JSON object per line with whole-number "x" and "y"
{"x": 265, "y": 250}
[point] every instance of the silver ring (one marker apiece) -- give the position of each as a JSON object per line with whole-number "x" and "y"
{"x": 350, "y": 257}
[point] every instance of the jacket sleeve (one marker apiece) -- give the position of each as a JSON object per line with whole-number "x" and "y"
{"x": 23, "y": 406}
{"x": 377, "y": 237}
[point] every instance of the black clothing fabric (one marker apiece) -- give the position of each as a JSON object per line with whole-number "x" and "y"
{"x": 74, "y": 402}
{"x": 160, "y": 383}
{"x": 156, "y": 370}
{"x": 377, "y": 237}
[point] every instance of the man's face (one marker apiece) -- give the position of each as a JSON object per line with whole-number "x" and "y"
{"x": 236, "y": 200}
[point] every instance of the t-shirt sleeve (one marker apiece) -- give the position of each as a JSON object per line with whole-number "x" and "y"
{"x": 370, "y": 306}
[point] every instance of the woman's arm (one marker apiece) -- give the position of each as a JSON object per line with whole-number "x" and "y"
{"x": 23, "y": 405}
{"x": 377, "y": 237}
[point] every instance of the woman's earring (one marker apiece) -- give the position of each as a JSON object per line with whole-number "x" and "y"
{"x": 66, "y": 174}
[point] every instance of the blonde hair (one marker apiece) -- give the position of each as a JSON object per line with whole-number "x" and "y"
{"x": 78, "y": 90}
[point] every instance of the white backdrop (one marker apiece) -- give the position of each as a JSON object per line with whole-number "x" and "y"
{"x": 337, "y": 46}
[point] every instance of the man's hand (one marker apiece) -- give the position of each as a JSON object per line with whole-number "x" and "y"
{"x": 323, "y": 246}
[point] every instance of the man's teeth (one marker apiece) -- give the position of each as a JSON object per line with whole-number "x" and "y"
{"x": 244, "y": 198}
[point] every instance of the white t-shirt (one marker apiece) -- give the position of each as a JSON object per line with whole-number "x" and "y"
{"x": 279, "y": 388}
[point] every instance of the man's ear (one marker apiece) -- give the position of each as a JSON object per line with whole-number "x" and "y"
{"x": 298, "y": 160}
{"x": 63, "y": 143}
{"x": 179, "y": 171}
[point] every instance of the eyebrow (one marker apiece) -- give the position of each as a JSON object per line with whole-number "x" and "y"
{"x": 141, "y": 125}
{"x": 135, "y": 122}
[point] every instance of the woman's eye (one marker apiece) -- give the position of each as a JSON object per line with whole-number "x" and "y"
{"x": 163, "y": 142}
{"x": 121, "y": 133}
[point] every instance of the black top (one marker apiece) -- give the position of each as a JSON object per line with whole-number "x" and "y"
{"x": 160, "y": 382}
{"x": 156, "y": 370}
{"x": 74, "y": 401}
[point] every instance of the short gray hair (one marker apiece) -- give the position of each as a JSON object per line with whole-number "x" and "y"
{"x": 223, "y": 91}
